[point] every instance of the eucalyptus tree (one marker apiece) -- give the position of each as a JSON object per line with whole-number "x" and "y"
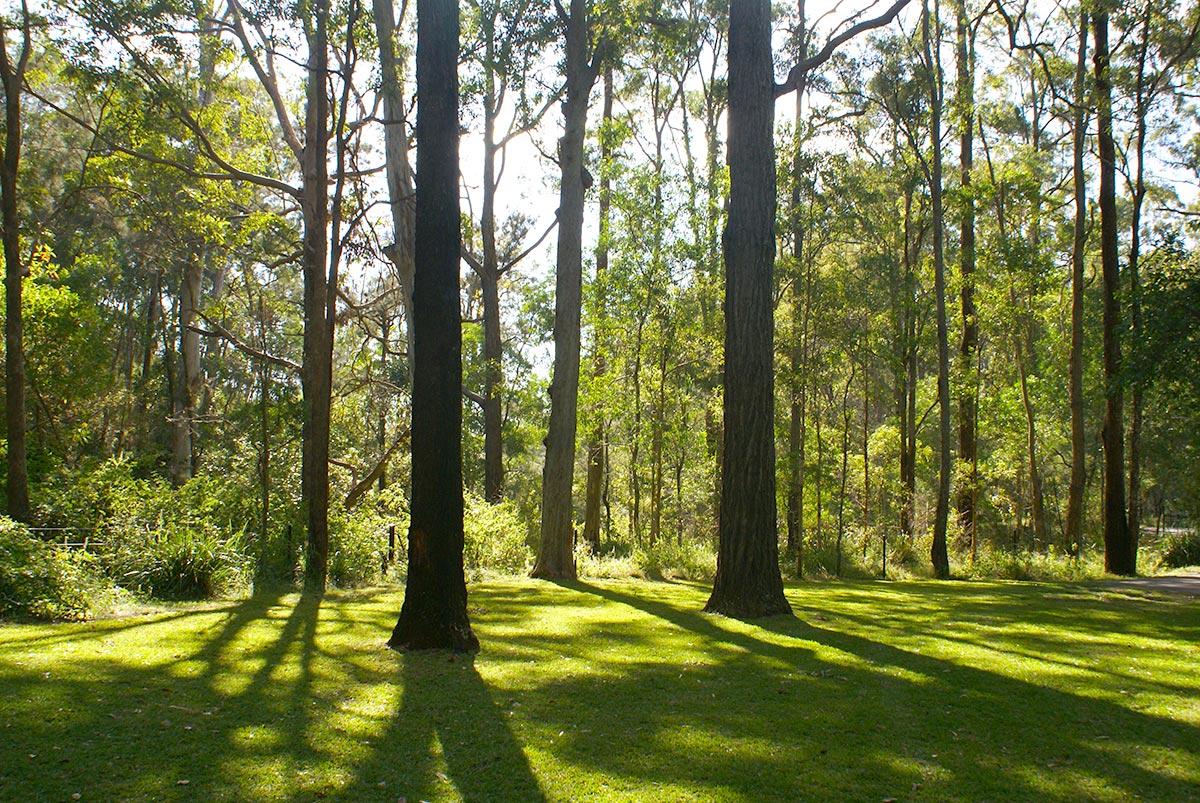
{"x": 12, "y": 76}
{"x": 434, "y": 614}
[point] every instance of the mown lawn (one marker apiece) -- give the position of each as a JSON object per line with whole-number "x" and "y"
{"x": 617, "y": 691}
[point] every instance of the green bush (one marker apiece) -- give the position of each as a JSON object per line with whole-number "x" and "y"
{"x": 38, "y": 581}
{"x": 174, "y": 558}
{"x": 1051, "y": 566}
{"x": 672, "y": 560}
{"x": 1181, "y": 549}
{"x": 495, "y": 538}
{"x": 356, "y": 545}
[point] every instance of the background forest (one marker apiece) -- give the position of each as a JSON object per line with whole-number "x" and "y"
{"x": 217, "y": 260}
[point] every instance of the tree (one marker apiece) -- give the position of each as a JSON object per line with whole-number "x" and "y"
{"x": 12, "y": 75}
{"x": 434, "y": 614}
{"x": 1118, "y": 557}
{"x": 555, "y": 555}
{"x": 748, "y": 583}
{"x": 1074, "y": 522}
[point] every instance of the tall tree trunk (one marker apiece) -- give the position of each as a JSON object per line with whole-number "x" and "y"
{"x": 748, "y": 583}
{"x": 907, "y": 399}
{"x": 434, "y": 615}
{"x": 969, "y": 343}
{"x": 190, "y": 382}
{"x": 317, "y": 373}
{"x": 841, "y": 515}
{"x": 1118, "y": 556}
{"x": 399, "y": 170}
{"x": 1141, "y": 110}
{"x": 1037, "y": 496}
{"x": 1074, "y": 526}
{"x": 797, "y": 349}
{"x": 556, "y": 558}
{"x": 598, "y": 445}
{"x": 12, "y": 74}
{"x": 938, "y": 553}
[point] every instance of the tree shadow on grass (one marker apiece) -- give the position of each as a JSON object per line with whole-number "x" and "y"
{"x": 449, "y": 739}
{"x": 820, "y": 713}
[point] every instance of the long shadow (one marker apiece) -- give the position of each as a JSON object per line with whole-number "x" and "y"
{"x": 448, "y": 734}
{"x": 892, "y": 721}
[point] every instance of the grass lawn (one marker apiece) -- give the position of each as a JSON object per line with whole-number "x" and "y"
{"x": 617, "y": 691}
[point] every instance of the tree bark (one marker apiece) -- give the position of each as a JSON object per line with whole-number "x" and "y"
{"x": 938, "y": 553}
{"x": 13, "y": 76}
{"x": 748, "y": 583}
{"x": 1118, "y": 557}
{"x": 434, "y": 615}
{"x": 317, "y": 373}
{"x": 1074, "y": 524}
{"x": 556, "y": 557}
{"x": 969, "y": 343}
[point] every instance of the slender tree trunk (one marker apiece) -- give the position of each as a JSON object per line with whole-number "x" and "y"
{"x": 748, "y": 583}
{"x": 434, "y": 615}
{"x": 1037, "y": 496}
{"x": 13, "y": 77}
{"x": 489, "y": 279}
{"x": 841, "y": 525}
{"x": 399, "y": 170}
{"x": 1118, "y": 556}
{"x": 797, "y": 350}
{"x": 908, "y": 400}
{"x": 317, "y": 372}
{"x": 190, "y": 382}
{"x": 1141, "y": 111}
{"x": 1074, "y": 526}
{"x": 969, "y": 343}
{"x": 598, "y": 445}
{"x": 556, "y": 557}
{"x": 938, "y": 552}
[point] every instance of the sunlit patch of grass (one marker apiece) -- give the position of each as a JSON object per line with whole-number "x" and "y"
{"x": 617, "y": 691}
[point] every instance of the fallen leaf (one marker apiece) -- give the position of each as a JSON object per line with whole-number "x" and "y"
{"x": 182, "y": 783}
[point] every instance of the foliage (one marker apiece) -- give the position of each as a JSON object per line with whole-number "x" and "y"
{"x": 496, "y": 538}
{"x": 39, "y": 581}
{"x": 1181, "y": 550}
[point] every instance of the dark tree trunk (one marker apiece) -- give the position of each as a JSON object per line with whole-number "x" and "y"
{"x": 317, "y": 374}
{"x": 967, "y": 403}
{"x": 489, "y": 281}
{"x": 13, "y": 76}
{"x": 1074, "y": 525}
{"x": 1118, "y": 557}
{"x": 434, "y": 615}
{"x": 748, "y": 583}
{"x": 556, "y": 556}
{"x": 938, "y": 551}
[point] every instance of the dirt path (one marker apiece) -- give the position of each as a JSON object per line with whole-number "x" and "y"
{"x": 1187, "y": 584}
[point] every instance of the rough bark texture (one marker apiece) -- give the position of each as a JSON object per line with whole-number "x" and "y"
{"x": 317, "y": 374}
{"x": 1074, "y": 523}
{"x": 1118, "y": 557}
{"x": 434, "y": 615}
{"x": 938, "y": 550}
{"x": 969, "y": 343}
{"x": 748, "y": 583}
{"x": 12, "y": 75}
{"x": 556, "y": 556}
{"x": 191, "y": 381}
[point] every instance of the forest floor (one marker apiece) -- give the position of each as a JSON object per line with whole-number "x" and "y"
{"x": 618, "y": 691}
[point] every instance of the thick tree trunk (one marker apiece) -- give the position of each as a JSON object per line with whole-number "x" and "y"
{"x": 938, "y": 552}
{"x": 748, "y": 583}
{"x": 1118, "y": 556}
{"x": 1074, "y": 525}
{"x": 556, "y": 557}
{"x": 399, "y": 169}
{"x": 434, "y": 615}
{"x": 317, "y": 373}
{"x": 969, "y": 343}
{"x": 12, "y": 75}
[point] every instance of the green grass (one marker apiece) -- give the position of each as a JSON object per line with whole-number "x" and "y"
{"x": 617, "y": 691}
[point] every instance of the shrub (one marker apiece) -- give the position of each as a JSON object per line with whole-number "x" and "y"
{"x": 1181, "y": 549}
{"x": 1048, "y": 566}
{"x": 671, "y": 560}
{"x": 38, "y": 581}
{"x": 495, "y": 538}
{"x": 174, "y": 558}
{"x": 610, "y": 562}
{"x": 356, "y": 544}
